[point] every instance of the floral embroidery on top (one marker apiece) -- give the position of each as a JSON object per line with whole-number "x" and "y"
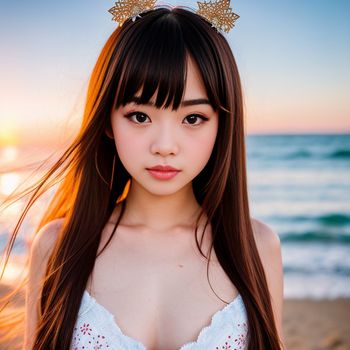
{"x": 85, "y": 328}
{"x": 85, "y": 333}
{"x": 96, "y": 329}
{"x": 237, "y": 343}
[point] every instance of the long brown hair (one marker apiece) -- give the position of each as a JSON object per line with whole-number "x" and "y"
{"x": 151, "y": 53}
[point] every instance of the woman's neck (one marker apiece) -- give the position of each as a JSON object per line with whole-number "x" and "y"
{"x": 160, "y": 213}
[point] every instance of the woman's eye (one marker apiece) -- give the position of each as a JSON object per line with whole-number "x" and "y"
{"x": 140, "y": 118}
{"x": 195, "y": 117}
{"x": 137, "y": 117}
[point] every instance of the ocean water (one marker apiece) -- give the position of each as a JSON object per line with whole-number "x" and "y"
{"x": 298, "y": 184}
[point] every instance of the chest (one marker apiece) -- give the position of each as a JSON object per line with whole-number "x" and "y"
{"x": 157, "y": 288}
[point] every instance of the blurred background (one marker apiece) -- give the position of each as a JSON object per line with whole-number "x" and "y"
{"x": 293, "y": 58}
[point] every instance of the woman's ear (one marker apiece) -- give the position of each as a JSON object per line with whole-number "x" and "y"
{"x": 109, "y": 133}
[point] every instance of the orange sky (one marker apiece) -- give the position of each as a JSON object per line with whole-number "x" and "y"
{"x": 294, "y": 69}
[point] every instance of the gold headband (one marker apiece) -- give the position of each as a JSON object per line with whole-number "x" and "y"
{"x": 218, "y": 13}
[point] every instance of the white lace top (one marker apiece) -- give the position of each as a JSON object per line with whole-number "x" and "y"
{"x": 96, "y": 328}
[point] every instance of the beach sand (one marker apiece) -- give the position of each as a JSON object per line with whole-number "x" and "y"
{"x": 308, "y": 324}
{"x": 317, "y": 324}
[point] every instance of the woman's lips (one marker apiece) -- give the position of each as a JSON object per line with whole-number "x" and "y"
{"x": 163, "y": 173}
{"x": 163, "y": 168}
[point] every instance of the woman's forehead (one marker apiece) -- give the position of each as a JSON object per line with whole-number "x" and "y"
{"x": 194, "y": 85}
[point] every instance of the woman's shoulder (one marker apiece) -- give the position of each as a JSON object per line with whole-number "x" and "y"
{"x": 44, "y": 240}
{"x": 40, "y": 248}
{"x": 265, "y": 237}
{"x": 269, "y": 248}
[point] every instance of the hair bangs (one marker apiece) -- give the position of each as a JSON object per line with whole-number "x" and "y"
{"x": 156, "y": 60}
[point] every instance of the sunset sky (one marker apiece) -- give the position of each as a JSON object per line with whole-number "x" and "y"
{"x": 293, "y": 58}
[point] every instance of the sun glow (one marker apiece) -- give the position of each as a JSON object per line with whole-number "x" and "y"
{"x": 8, "y": 183}
{"x": 9, "y": 154}
{"x": 8, "y": 134}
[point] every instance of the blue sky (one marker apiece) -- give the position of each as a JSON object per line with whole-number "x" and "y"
{"x": 293, "y": 58}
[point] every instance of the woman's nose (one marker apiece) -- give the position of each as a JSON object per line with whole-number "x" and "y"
{"x": 165, "y": 140}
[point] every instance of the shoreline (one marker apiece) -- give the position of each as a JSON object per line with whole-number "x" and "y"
{"x": 308, "y": 324}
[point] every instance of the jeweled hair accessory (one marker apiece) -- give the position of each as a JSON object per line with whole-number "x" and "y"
{"x": 125, "y": 9}
{"x": 218, "y": 13}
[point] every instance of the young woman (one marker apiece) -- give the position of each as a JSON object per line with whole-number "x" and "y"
{"x": 148, "y": 242}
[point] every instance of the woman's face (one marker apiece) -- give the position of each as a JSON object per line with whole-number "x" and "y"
{"x": 146, "y": 137}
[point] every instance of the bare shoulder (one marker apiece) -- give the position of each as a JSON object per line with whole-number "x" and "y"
{"x": 41, "y": 247}
{"x": 265, "y": 237}
{"x": 44, "y": 240}
{"x": 269, "y": 248}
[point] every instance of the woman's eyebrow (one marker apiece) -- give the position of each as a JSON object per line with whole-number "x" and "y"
{"x": 197, "y": 101}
